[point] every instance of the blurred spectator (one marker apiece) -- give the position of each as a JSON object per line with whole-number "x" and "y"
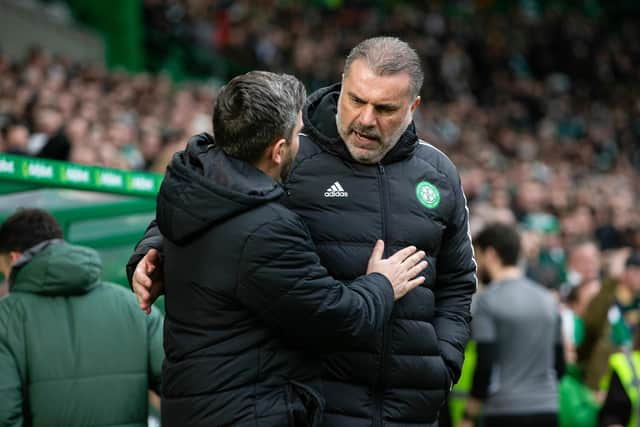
{"x": 582, "y": 282}
{"x": 545, "y": 254}
{"x": 516, "y": 326}
{"x": 15, "y": 137}
{"x": 611, "y": 320}
{"x": 80, "y": 112}
{"x": 49, "y": 140}
{"x": 576, "y": 302}
{"x": 73, "y": 350}
{"x": 584, "y": 263}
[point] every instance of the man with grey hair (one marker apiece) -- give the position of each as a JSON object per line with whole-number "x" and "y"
{"x": 359, "y": 136}
{"x": 370, "y": 136}
{"x": 362, "y": 174}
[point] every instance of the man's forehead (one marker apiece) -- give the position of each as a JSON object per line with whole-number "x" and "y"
{"x": 363, "y": 82}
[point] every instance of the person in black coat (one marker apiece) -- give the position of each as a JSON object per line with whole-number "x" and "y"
{"x": 362, "y": 174}
{"x": 244, "y": 286}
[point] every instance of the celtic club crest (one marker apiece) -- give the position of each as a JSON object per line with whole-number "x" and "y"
{"x": 428, "y": 194}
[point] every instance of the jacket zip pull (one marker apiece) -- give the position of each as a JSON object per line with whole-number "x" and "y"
{"x": 381, "y": 168}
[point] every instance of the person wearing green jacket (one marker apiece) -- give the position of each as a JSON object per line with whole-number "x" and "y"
{"x": 73, "y": 349}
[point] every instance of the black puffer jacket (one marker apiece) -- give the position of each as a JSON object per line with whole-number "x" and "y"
{"x": 243, "y": 285}
{"x": 413, "y": 196}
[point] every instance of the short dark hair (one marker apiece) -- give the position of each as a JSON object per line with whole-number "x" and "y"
{"x": 26, "y": 228}
{"x": 388, "y": 56}
{"x": 503, "y": 238}
{"x": 633, "y": 260}
{"x": 254, "y": 110}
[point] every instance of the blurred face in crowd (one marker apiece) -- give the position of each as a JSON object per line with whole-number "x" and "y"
{"x": 373, "y": 111}
{"x": 150, "y": 144}
{"x": 49, "y": 120}
{"x": 17, "y": 138}
{"x": 77, "y": 130}
{"x": 121, "y": 133}
{"x": 83, "y": 154}
{"x": 585, "y": 260}
{"x": 531, "y": 196}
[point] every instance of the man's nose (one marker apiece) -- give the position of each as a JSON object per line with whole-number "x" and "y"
{"x": 368, "y": 116}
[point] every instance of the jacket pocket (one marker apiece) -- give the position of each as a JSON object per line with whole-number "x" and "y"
{"x": 305, "y": 405}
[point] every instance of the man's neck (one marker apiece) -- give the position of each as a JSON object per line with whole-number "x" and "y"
{"x": 268, "y": 169}
{"x": 506, "y": 273}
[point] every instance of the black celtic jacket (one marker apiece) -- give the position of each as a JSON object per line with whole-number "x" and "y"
{"x": 413, "y": 196}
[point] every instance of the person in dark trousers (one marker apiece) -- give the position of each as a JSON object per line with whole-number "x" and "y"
{"x": 245, "y": 289}
{"x": 362, "y": 174}
{"x": 74, "y": 351}
{"x": 516, "y": 325}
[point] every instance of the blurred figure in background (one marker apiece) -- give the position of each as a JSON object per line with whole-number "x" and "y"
{"x": 611, "y": 320}
{"x": 574, "y": 309}
{"x": 74, "y": 351}
{"x": 15, "y": 137}
{"x": 583, "y": 281}
{"x": 516, "y": 327}
{"x": 584, "y": 262}
{"x": 622, "y": 385}
{"x": 49, "y": 140}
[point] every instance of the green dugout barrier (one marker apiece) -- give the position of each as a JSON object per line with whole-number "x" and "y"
{"x": 106, "y": 209}
{"x": 35, "y": 172}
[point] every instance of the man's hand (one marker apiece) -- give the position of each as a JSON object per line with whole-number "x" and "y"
{"x": 471, "y": 412}
{"x": 147, "y": 280}
{"x": 400, "y": 268}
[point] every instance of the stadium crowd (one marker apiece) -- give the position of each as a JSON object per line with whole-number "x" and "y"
{"x": 540, "y": 110}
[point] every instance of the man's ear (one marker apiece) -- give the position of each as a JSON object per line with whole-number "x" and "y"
{"x": 14, "y": 256}
{"x": 415, "y": 104}
{"x": 491, "y": 255}
{"x": 278, "y": 151}
{"x": 7, "y": 261}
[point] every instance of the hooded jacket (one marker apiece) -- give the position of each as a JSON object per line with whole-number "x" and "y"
{"x": 74, "y": 351}
{"x": 245, "y": 296}
{"x": 401, "y": 376}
